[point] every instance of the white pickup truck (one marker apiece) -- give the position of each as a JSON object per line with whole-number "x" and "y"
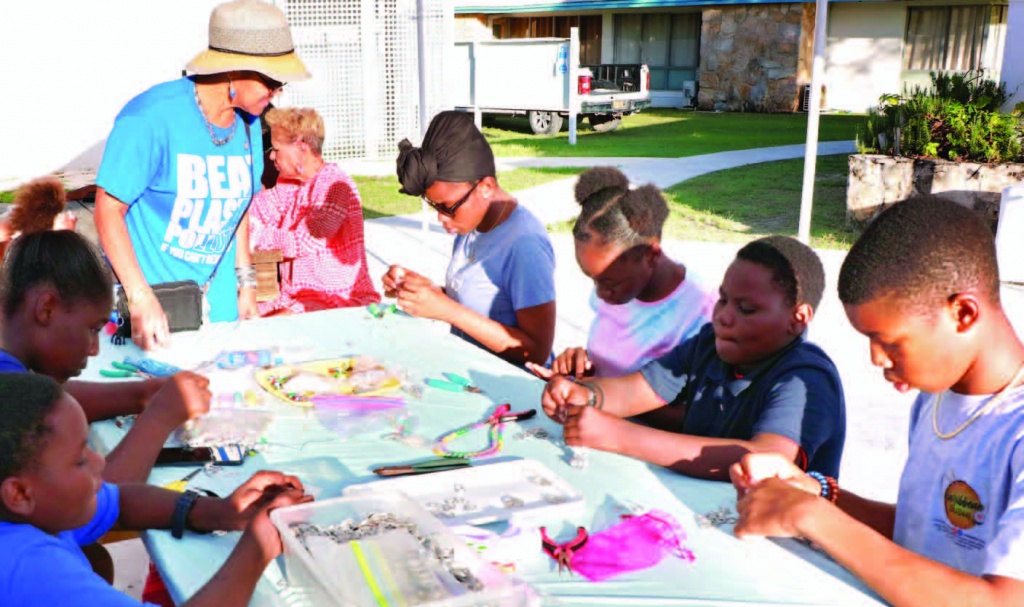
{"x": 534, "y": 76}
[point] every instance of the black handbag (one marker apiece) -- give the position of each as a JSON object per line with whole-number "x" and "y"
{"x": 182, "y": 300}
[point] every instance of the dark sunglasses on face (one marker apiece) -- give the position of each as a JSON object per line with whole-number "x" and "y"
{"x": 450, "y": 211}
{"x": 271, "y": 84}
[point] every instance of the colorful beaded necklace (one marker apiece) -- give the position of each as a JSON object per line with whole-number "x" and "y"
{"x": 495, "y": 422}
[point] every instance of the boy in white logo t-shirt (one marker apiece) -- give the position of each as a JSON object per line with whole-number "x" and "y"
{"x": 922, "y": 284}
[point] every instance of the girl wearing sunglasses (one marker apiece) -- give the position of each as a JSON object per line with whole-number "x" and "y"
{"x": 499, "y": 290}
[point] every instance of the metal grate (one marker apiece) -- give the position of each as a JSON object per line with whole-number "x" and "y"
{"x": 363, "y": 57}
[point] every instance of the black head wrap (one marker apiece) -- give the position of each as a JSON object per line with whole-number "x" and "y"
{"x": 453, "y": 150}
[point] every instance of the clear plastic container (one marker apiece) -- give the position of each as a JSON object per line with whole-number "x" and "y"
{"x": 388, "y": 566}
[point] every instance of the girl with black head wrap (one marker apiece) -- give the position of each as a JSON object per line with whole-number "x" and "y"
{"x": 499, "y": 290}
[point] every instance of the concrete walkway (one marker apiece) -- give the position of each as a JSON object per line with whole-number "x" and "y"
{"x": 553, "y": 201}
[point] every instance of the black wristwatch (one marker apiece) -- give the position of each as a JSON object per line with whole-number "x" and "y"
{"x": 187, "y": 501}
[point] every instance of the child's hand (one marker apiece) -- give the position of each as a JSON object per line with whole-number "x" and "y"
{"x": 263, "y": 531}
{"x": 419, "y": 297}
{"x": 756, "y": 467}
{"x": 255, "y": 496}
{"x": 561, "y": 392}
{"x": 183, "y": 396}
{"x": 394, "y": 278}
{"x": 575, "y": 362}
{"x": 774, "y": 508}
{"x": 591, "y": 427}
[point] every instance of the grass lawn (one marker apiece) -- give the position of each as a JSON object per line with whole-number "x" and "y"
{"x": 738, "y": 205}
{"x": 666, "y": 133}
{"x": 381, "y": 197}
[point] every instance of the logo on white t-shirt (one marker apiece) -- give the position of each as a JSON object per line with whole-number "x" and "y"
{"x": 963, "y": 505}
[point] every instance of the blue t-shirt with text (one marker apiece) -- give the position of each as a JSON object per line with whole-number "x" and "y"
{"x": 796, "y": 393}
{"x": 185, "y": 195}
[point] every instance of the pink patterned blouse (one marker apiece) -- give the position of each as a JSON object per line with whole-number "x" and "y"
{"x": 318, "y": 227}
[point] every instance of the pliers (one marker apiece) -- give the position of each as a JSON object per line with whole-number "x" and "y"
{"x": 563, "y": 553}
{"x": 454, "y": 383}
{"x": 122, "y": 370}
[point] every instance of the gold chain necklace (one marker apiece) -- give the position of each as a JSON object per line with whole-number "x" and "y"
{"x": 991, "y": 404}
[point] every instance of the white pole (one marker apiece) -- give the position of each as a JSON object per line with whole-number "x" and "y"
{"x": 574, "y": 79}
{"x": 421, "y": 63}
{"x": 813, "y": 118}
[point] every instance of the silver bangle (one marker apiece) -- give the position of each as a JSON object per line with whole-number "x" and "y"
{"x": 246, "y": 276}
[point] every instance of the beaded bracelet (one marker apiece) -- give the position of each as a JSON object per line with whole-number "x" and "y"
{"x": 829, "y": 486}
{"x": 496, "y": 422}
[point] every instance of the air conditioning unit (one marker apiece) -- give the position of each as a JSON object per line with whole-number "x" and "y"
{"x": 805, "y": 97}
{"x": 689, "y": 93}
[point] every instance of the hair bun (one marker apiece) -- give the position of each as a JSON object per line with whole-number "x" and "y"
{"x": 37, "y": 204}
{"x": 417, "y": 168}
{"x": 594, "y": 180}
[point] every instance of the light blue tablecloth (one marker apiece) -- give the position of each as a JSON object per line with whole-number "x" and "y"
{"x": 727, "y": 571}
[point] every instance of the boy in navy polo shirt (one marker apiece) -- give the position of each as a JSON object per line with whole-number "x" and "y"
{"x": 748, "y": 382}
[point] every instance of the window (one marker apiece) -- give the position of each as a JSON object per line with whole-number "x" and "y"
{"x": 669, "y": 43}
{"x": 947, "y": 38}
{"x": 558, "y": 27}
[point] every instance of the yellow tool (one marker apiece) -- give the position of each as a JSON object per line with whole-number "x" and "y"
{"x": 180, "y": 485}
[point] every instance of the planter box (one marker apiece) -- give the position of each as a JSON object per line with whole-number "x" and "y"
{"x": 878, "y": 181}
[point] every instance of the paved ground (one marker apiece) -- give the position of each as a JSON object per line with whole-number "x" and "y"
{"x": 876, "y": 414}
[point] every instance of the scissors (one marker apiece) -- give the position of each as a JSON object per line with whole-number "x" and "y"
{"x": 563, "y": 553}
{"x": 454, "y": 383}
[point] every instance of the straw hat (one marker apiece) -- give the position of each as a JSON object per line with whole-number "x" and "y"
{"x": 250, "y": 35}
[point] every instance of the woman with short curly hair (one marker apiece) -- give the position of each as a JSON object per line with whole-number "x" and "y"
{"x": 313, "y": 215}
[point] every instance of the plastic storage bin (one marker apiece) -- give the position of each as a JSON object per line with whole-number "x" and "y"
{"x": 387, "y": 566}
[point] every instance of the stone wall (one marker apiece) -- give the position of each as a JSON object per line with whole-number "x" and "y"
{"x": 755, "y": 57}
{"x": 879, "y": 181}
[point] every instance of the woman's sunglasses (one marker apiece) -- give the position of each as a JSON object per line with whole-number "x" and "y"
{"x": 271, "y": 84}
{"x": 446, "y": 210}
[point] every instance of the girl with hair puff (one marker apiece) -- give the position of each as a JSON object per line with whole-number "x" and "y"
{"x": 645, "y": 302}
{"x": 38, "y": 206}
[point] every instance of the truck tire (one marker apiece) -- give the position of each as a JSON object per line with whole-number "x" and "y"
{"x": 545, "y": 123}
{"x": 604, "y": 123}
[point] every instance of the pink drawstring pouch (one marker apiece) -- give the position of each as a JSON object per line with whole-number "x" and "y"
{"x": 638, "y": 542}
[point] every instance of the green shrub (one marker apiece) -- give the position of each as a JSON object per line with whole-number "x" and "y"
{"x": 958, "y": 118}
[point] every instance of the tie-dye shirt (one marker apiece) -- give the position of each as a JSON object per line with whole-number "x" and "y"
{"x": 625, "y": 337}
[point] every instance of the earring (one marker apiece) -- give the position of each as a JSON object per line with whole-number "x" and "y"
{"x": 231, "y": 90}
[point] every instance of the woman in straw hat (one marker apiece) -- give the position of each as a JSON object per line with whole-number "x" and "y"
{"x": 181, "y": 164}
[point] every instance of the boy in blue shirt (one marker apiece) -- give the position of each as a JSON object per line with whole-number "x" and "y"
{"x": 922, "y": 283}
{"x": 747, "y": 382}
{"x": 53, "y": 500}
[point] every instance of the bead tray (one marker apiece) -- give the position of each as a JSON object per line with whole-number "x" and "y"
{"x": 486, "y": 488}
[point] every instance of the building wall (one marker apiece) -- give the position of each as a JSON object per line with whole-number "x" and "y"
{"x": 863, "y": 57}
{"x": 750, "y": 57}
{"x": 472, "y": 27}
{"x": 1013, "y": 55}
